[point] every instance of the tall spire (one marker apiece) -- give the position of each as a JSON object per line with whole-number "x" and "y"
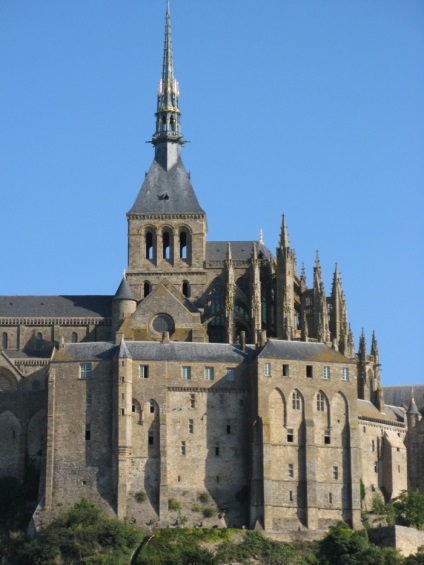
{"x": 168, "y": 112}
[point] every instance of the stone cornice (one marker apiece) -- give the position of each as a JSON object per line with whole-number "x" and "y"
{"x": 166, "y": 216}
{"x": 34, "y": 321}
{"x": 203, "y": 389}
{"x": 31, "y": 362}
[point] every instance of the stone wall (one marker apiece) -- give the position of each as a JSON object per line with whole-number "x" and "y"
{"x": 407, "y": 540}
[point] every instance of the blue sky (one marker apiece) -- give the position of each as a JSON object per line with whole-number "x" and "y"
{"x": 312, "y": 108}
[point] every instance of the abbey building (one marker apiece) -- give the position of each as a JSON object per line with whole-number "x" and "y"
{"x": 215, "y": 371}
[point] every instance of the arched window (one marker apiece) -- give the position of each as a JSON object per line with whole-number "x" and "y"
{"x": 183, "y": 245}
{"x": 146, "y": 288}
{"x": 39, "y": 341}
{"x": 149, "y": 245}
{"x": 320, "y": 402}
{"x": 4, "y": 340}
{"x": 166, "y": 240}
{"x": 74, "y": 337}
{"x": 296, "y": 400}
{"x": 186, "y": 289}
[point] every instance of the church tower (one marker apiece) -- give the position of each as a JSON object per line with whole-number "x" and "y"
{"x": 166, "y": 225}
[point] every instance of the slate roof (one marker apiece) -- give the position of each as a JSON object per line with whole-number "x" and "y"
{"x": 166, "y": 191}
{"x": 156, "y": 351}
{"x": 189, "y": 352}
{"x": 92, "y": 306}
{"x": 302, "y": 351}
{"x": 367, "y": 410}
{"x": 240, "y": 250}
{"x": 401, "y": 396}
{"x": 124, "y": 291}
{"x": 90, "y": 351}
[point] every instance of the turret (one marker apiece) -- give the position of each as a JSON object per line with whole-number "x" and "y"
{"x": 413, "y": 414}
{"x": 123, "y": 304}
{"x": 362, "y": 368}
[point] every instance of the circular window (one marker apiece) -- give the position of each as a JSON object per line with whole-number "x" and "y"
{"x": 163, "y": 323}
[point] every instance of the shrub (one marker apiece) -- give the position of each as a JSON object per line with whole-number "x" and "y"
{"x": 378, "y": 506}
{"x": 204, "y": 497}
{"x": 208, "y": 512}
{"x": 196, "y": 508}
{"x": 141, "y": 496}
{"x": 224, "y": 507}
{"x": 174, "y": 505}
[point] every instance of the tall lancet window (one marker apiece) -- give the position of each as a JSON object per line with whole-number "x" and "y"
{"x": 149, "y": 245}
{"x": 183, "y": 245}
{"x": 166, "y": 239}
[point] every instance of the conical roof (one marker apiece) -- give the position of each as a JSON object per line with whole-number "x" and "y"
{"x": 124, "y": 292}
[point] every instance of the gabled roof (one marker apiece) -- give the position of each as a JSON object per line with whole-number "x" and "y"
{"x": 367, "y": 410}
{"x": 91, "y": 306}
{"x": 240, "y": 250}
{"x": 166, "y": 190}
{"x": 302, "y": 351}
{"x": 401, "y": 396}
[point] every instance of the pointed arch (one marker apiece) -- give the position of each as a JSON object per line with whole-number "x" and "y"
{"x": 277, "y": 416}
{"x": 7, "y": 380}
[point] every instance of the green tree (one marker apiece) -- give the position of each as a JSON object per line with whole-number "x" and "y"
{"x": 409, "y": 509}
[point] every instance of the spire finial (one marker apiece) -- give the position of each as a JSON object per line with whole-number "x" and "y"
{"x": 168, "y": 112}
{"x": 261, "y": 236}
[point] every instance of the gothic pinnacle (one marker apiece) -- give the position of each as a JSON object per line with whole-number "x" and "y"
{"x": 284, "y": 237}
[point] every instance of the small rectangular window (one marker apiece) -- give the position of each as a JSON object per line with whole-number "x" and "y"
{"x": 309, "y": 371}
{"x": 152, "y": 407}
{"x": 87, "y": 432}
{"x": 122, "y": 411}
{"x": 85, "y": 370}
{"x": 290, "y": 435}
{"x": 192, "y": 401}
{"x": 230, "y": 376}
{"x": 372, "y": 445}
{"x": 186, "y": 373}
{"x": 291, "y": 470}
{"x": 217, "y": 478}
{"x": 228, "y": 427}
{"x": 327, "y": 437}
{"x": 209, "y": 373}
{"x": 144, "y": 371}
{"x": 151, "y": 439}
{"x": 183, "y": 448}
{"x": 133, "y": 407}
{"x": 221, "y": 402}
{"x": 267, "y": 369}
{"x": 345, "y": 374}
{"x": 285, "y": 370}
{"x": 88, "y": 402}
{"x": 326, "y": 373}
{"x": 190, "y": 426}
{"x": 291, "y": 495}
{"x": 330, "y": 497}
{"x": 217, "y": 449}
{"x": 335, "y": 473}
